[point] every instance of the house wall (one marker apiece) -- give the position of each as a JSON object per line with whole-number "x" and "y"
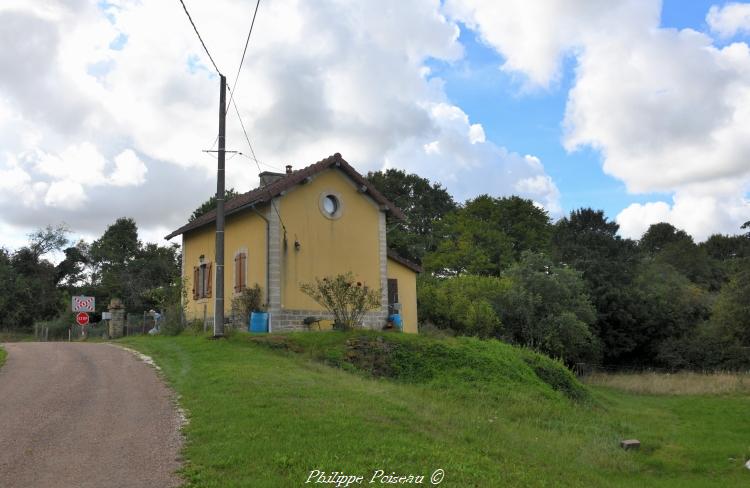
{"x": 351, "y": 242}
{"x": 244, "y": 231}
{"x": 407, "y": 293}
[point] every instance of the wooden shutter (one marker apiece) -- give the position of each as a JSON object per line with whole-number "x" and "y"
{"x": 237, "y": 277}
{"x": 209, "y": 282}
{"x": 196, "y": 279}
{"x": 243, "y": 272}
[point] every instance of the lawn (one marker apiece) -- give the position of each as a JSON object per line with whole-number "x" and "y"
{"x": 268, "y": 411}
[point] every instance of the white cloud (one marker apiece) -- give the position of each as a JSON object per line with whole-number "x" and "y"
{"x": 122, "y": 94}
{"x": 668, "y": 110}
{"x": 533, "y": 37}
{"x": 730, "y": 19}
{"x": 66, "y": 194}
{"x": 129, "y": 170}
{"x": 82, "y": 163}
{"x": 476, "y": 133}
{"x": 468, "y": 166}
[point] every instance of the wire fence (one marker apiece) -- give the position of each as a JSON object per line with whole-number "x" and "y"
{"x": 139, "y": 323}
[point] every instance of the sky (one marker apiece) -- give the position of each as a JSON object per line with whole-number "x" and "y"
{"x": 640, "y": 108}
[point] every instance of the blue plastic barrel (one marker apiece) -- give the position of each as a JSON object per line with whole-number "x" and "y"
{"x": 396, "y": 319}
{"x": 258, "y": 322}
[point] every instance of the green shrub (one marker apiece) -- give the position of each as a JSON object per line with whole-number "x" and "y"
{"x": 247, "y": 301}
{"x": 346, "y": 299}
{"x": 468, "y": 305}
{"x": 555, "y": 374}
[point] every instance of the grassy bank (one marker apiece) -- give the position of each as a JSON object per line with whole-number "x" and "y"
{"x": 266, "y": 411}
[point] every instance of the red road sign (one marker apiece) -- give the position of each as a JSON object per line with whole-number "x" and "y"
{"x": 82, "y": 318}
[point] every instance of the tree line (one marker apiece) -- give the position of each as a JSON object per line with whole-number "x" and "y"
{"x": 116, "y": 265}
{"x": 574, "y": 289}
{"x": 494, "y": 267}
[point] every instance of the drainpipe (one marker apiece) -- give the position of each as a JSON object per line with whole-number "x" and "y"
{"x": 268, "y": 255}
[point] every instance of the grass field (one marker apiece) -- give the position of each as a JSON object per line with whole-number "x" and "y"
{"x": 3, "y": 355}
{"x": 682, "y": 383}
{"x": 267, "y": 411}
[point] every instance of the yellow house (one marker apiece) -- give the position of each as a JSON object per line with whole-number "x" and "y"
{"x": 323, "y": 220}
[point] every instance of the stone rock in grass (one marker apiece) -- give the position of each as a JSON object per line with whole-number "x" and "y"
{"x": 630, "y": 444}
{"x": 747, "y": 464}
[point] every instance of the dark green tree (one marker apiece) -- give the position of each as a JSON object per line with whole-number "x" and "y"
{"x": 547, "y": 308}
{"x": 671, "y": 307}
{"x": 425, "y": 204}
{"x": 667, "y": 244}
{"x": 486, "y": 235}
{"x": 731, "y": 313}
{"x": 658, "y": 236}
{"x": 587, "y": 241}
{"x": 210, "y": 204}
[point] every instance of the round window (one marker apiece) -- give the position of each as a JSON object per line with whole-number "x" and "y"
{"x": 330, "y": 205}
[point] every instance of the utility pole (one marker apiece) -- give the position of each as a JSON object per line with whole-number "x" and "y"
{"x": 219, "y": 301}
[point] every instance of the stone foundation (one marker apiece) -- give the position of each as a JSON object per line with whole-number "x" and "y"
{"x": 293, "y": 320}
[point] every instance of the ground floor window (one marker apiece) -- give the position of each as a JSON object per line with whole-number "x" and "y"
{"x": 202, "y": 281}
{"x": 240, "y": 271}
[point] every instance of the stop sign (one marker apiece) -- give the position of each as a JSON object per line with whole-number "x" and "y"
{"x": 82, "y": 318}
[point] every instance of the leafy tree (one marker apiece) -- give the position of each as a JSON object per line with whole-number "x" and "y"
{"x": 34, "y": 292}
{"x": 533, "y": 303}
{"x": 658, "y": 236}
{"x": 151, "y": 274}
{"x": 126, "y": 269}
{"x": 671, "y": 306}
{"x": 725, "y": 248}
{"x": 9, "y": 313}
{"x": 588, "y": 242}
{"x": 43, "y": 241}
{"x": 667, "y": 244}
{"x": 110, "y": 256}
{"x": 468, "y": 305}
{"x": 425, "y": 204}
{"x": 731, "y": 314}
{"x": 547, "y": 308}
{"x": 486, "y": 235}
{"x": 210, "y": 204}
{"x": 71, "y": 271}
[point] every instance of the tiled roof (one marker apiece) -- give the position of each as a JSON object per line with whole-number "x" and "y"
{"x": 412, "y": 266}
{"x": 265, "y": 194}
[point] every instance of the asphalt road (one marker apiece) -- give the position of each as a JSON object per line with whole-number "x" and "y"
{"x": 84, "y": 415}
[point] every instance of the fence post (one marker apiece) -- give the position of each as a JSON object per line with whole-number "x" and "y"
{"x": 117, "y": 318}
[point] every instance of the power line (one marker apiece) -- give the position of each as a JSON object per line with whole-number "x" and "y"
{"x": 252, "y": 151}
{"x": 244, "y": 51}
{"x": 242, "y": 60}
{"x": 199, "y": 36}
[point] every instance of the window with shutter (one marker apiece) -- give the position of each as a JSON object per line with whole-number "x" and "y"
{"x": 208, "y": 280}
{"x": 240, "y": 271}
